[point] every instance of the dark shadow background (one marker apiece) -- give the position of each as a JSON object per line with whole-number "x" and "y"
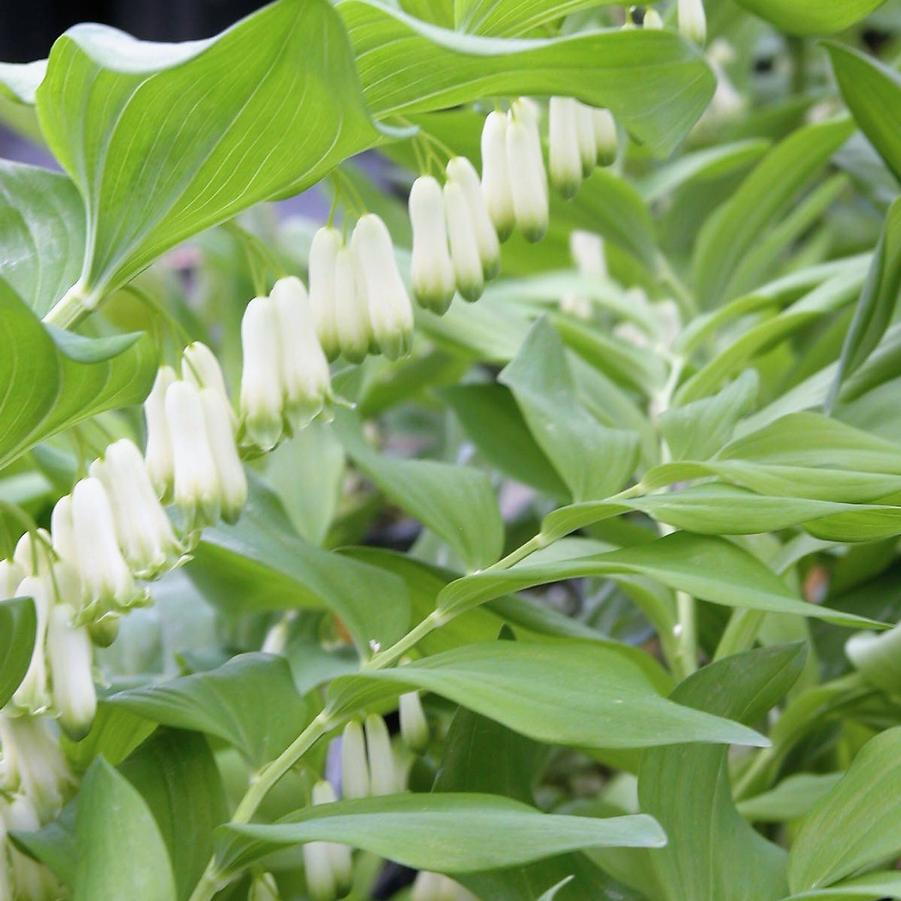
{"x": 27, "y": 30}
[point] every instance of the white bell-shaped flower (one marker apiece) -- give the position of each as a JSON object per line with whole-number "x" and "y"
{"x": 605, "y": 136}
{"x": 106, "y": 578}
{"x": 34, "y": 762}
{"x": 229, "y": 469}
{"x": 390, "y": 310}
{"x": 652, "y": 20}
{"x": 496, "y": 175}
{"x": 564, "y": 161}
{"x": 351, "y": 308}
{"x": 62, "y": 529}
{"x": 261, "y": 381}
{"x": 383, "y": 777}
{"x": 323, "y": 294}
{"x": 328, "y": 865}
{"x": 462, "y": 171}
{"x": 587, "y": 251}
{"x": 692, "y": 20}
{"x": 70, "y": 656}
{"x": 528, "y": 179}
{"x": 464, "y": 246}
{"x": 145, "y": 534}
{"x": 32, "y": 694}
{"x": 588, "y": 147}
{"x": 200, "y": 366}
{"x": 32, "y": 553}
{"x": 196, "y": 478}
{"x": 414, "y": 728}
{"x": 11, "y": 574}
{"x": 158, "y": 454}
{"x": 305, "y": 373}
{"x": 354, "y": 762}
{"x": 431, "y": 270}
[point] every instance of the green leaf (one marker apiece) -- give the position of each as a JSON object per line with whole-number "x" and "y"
{"x": 54, "y": 844}
{"x": 53, "y": 379}
{"x": 445, "y": 833}
{"x": 226, "y": 702}
{"x": 19, "y": 81}
{"x": 118, "y": 840}
{"x": 791, "y": 799}
{"x": 872, "y": 887}
{"x": 570, "y": 436}
{"x": 655, "y": 83}
{"x": 575, "y": 693}
{"x": 876, "y": 658}
{"x": 177, "y": 776}
{"x": 803, "y": 17}
{"x": 858, "y": 824}
{"x": 872, "y": 91}
{"x": 42, "y": 233}
{"x": 114, "y": 734}
{"x": 735, "y": 228}
{"x": 18, "y": 625}
{"x": 165, "y": 140}
{"x": 713, "y": 852}
{"x": 261, "y": 563}
{"x": 877, "y": 303}
{"x": 708, "y": 568}
{"x": 456, "y": 502}
{"x": 510, "y": 18}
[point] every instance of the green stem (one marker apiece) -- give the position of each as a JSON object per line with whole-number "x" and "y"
{"x": 740, "y": 633}
{"x": 72, "y": 307}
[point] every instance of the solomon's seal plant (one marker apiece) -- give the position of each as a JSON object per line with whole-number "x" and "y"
{"x": 526, "y": 529}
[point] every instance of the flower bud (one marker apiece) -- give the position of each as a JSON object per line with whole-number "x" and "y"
{"x": 232, "y": 482}
{"x": 158, "y": 454}
{"x": 11, "y": 574}
{"x": 463, "y": 244}
{"x": 197, "y": 491}
{"x": 263, "y": 888}
{"x": 414, "y": 727}
{"x": 692, "y": 20}
{"x": 70, "y": 657}
{"x": 431, "y": 270}
{"x": 605, "y": 136}
{"x": 34, "y": 762}
{"x": 261, "y": 383}
{"x": 383, "y": 774}
{"x": 104, "y": 631}
{"x": 462, "y": 171}
{"x": 105, "y": 576}
{"x": 563, "y": 156}
{"x": 588, "y": 148}
{"x": 390, "y": 311}
{"x": 496, "y": 175}
{"x": 354, "y": 765}
{"x": 528, "y": 180}
{"x": 351, "y": 308}
{"x": 143, "y": 530}
{"x": 323, "y": 295}
{"x": 652, "y": 20}
{"x": 32, "y": 694}
{"x": 305, "y": 372}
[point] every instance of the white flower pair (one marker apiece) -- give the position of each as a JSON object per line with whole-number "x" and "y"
{"x": 580, "y": 137}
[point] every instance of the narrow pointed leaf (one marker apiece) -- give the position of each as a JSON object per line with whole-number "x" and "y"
{"x": 18, "y": 623}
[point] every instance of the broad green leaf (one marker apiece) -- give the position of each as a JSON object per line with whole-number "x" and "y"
{"x": 877, "y": 659}
{"x": 445, "y": 833}
{"x": 42, "y": 233}
{"x": 118, "y": 842}
{"x": 858, "y": 824}
{"x": 18, "y": 624}
{"x": 495, "y": 425}
{"x": 570, "y": 436}
{"x": 802, "y": 17}
{"x": 261, "y": 563}
{"x": 791, "y": 799}
{"x": 53, "y": 379}
{"x": 19, "y": 81}
{"x": 708, "y": 568}
{"x": 872, "y": 91}
{"x": 655, "y": 83}
{"x": 115, "y": 733}
{"x": 712, "y": 852}
{"x": 227, "y": 702}
{"x": 572, "y": 693}
{"x": 177, "y": 776}
{"x": 871, "y": 887}
{"x": 456, "y": 502}
{"x": 510, "y": 18}
{"x": 735, "y": 228}
{"x": 165, "y": 140}
{"x": 880, "y": 295}
{"x": 54, "y": 844}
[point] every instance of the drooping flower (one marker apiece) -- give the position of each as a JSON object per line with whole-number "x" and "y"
{"x": 464, "y": 247}
{"x": 692, "y": 20}
{"x": 261, "y": 382}
{"x": 70, "y": 657}
{"x": 355, "y": 781}
{"x": 33, "y": 762}
{"x": 431, "y": 269}
{"x": 605, "y": 135}
{"x": 26, "y": 878}
{"x": 32, "y": 694}
{"x": 462, "y": 171}
{"x": 158, "y": 453}
{"x": 323, "y": 292}
{"x": 414, "y": 728}
{"x": 496, "y": 175}
{"x": 11, "y": 574}
{"x": 652, "y": 20}
{"x": 383, "y": 777}
{"x": 232, "y": 481}
{"x": 351, "y": 308}
{"x": 528, "y": 179}
{"x": 565, "y": 164}
{"x": 200, "y": 366}
{"x": 588, "y": 145}
{"x": 328, "y": 865}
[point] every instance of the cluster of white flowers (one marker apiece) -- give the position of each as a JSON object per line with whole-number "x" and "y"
{"x": 328, "y": 865}
{"x": 368, "y": 763}
{"x": 358, "y": 300}
{"x": 580, "y": 137}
